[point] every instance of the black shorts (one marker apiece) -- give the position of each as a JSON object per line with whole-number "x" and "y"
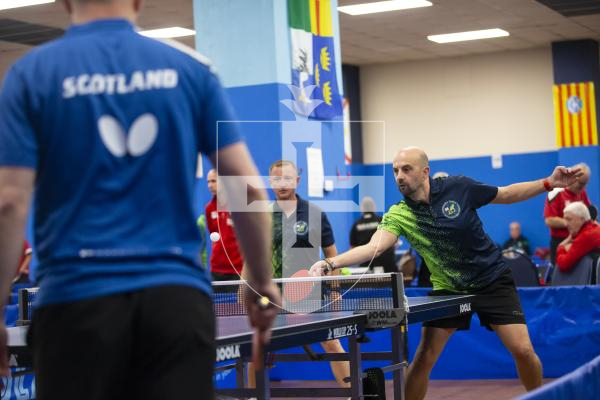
{"x": 156, "y": 343}
{"x": 496, "y": 304}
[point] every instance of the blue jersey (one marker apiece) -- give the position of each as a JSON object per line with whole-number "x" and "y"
{"x": 113, "y": 122}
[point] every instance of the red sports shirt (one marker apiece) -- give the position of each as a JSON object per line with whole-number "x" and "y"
{"x": 556, "y": 201}
{"x": 225, "y": 252}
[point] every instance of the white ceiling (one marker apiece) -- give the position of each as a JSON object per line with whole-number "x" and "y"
{"x": 377, "y": 38}
{"x": 156, "y": 14}
{"x": 402, "y": 35}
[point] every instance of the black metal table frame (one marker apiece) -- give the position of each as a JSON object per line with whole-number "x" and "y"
{"x": 238, "y": 348}
{"x": 436, "y": 308}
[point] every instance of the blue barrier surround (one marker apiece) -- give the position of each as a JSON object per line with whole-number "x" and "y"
{"x": 583, "y": 383}
{"x": 563, "y": 325}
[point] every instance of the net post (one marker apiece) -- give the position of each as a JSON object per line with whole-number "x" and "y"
{"x": 398, "y": 290}
{"x": 23, "y": 304}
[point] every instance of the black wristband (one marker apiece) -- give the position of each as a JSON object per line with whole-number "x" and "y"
{"x": 330, "y": 265}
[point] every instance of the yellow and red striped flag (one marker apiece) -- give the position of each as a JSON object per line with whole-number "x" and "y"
{"x": 575, "y": 114}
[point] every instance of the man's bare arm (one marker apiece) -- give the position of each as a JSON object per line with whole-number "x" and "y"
{"x": 556, "y": 222}
{"x": 561, "y": 177}
{"x": 330, "y": 251}
{"x": 380, "y": 242}
{"x": 254, "y": 236}
{"x": 253, "y": 228}
{"x": 16, "y": 185}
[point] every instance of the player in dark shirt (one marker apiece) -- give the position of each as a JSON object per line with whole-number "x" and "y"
{"x": 439, "y": 219}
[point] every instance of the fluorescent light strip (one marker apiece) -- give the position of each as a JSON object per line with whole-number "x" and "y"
{"x": 165, "y": 33}
{"x": 6, "y": 4}
{"x": 383, "y": 6}
{"x": 471, "y": 35}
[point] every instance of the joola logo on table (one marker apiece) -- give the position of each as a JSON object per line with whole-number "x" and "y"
{"x": 464, "y": 308}
{"x": 228, "y": 352}
{"x": 384, "y": 318}
{"x": 382, "y": 314}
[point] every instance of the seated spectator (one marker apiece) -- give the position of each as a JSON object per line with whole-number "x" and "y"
{"x": 583, "y": 239}
{"x": 517, "y": 241}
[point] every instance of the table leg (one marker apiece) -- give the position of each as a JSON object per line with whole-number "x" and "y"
{"x": 263, "y": 385}
{"x": 399, "y": 338}
{"x": 355, "y": 368}
{"x": 240, "y": 373}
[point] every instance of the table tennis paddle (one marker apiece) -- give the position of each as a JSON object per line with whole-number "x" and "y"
{"x": 297, "y": 291}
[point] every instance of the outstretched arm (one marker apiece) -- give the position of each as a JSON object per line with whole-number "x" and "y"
{"x": 555, "y": 222}
{"x": 254, "y": 234}
{"x": 16, "y": 185}
{"x": 561, "y": 177}
{"x": 380, "y": 242}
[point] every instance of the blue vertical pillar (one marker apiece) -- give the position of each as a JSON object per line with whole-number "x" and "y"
{"x": 248, "y": 42}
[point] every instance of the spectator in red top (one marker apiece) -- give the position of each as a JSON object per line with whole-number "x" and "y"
{"x": 226, "y": 260}
{"x": 556, "y": 202}
{"x": 584, "y": 236}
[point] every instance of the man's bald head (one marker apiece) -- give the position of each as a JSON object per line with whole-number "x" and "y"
{"x": 211, "y": 181}
{"x": 515, "y": 229}
{"x": 583, "y": 180}
{"x": 83, "y": 11}
{"x": 414, "y": 154}
{"x": 411, "y": 171}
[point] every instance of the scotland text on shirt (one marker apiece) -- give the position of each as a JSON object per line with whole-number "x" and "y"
{"x": 95, "y": 84}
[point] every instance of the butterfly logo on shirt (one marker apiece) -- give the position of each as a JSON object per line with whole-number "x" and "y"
{"x": 138, "y": 140}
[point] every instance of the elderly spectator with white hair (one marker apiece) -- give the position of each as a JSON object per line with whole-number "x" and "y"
{"x": 556, "y": 202}
{"x": 583, "y": 239}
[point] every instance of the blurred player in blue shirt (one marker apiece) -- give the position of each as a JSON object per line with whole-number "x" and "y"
{"x": 106, "y": 125}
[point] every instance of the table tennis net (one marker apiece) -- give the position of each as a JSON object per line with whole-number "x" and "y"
{"x": 325, "y": 294}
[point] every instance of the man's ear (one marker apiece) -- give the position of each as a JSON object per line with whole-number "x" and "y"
{"x": 68, "y": 6}
{"x": 137, "y": 5}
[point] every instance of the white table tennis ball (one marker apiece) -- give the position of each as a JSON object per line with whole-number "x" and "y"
{"x": 215, "y": 236}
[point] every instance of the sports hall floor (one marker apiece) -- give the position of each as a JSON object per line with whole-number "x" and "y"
{"x": 496, "y": 389}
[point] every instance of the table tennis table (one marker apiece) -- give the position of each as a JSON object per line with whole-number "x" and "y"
{"x": 234, "y": 339}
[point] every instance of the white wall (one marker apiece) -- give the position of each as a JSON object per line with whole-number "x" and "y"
{"x": 460, "y": 107}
